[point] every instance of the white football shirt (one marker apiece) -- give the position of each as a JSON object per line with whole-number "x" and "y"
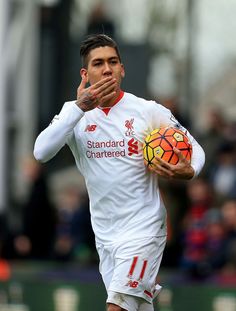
{"x": 107, "y": 146}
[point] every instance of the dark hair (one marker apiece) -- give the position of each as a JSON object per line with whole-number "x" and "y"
{"x": 93, "y": 42}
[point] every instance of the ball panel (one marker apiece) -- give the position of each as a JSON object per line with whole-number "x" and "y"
{"x": 159, "y": 151}
{"x": 181, "y": 145}
{"x": 165, "y": 145}
{"x": 147, "y": 139}
{"x": 150, "y": 153}
{"x": 172, "y": 141}
{"x": 178, "y": 136}
{"x": 170, "y": 157}
{"x": 156, "y": 131}
{"x": 174, "y": 159}
{"x": 154, "y": 137}
{"x": 187, "y": 154}
{"x": 169, "y": 131}
{"x": 145, "y": 156}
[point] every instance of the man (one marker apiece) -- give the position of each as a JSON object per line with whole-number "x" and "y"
{"x": 105, "y": 128}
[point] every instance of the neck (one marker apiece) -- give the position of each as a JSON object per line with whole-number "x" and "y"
{"x": 113, "y": 101}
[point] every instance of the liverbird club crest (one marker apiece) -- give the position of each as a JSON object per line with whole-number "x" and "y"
{"x": 129, "y": 127}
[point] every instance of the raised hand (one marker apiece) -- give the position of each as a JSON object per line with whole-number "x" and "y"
{"x": 96, "y": 94}
{"x": 182, "y": 170}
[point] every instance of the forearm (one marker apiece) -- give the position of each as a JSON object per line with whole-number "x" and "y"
{"x": 55, "y": 136}
{"x": 198, "y": 158}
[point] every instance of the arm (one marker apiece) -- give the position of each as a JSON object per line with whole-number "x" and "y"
{"x": 198, "y": 157}
{"x": 183, "y": 169}
{"x": 55, "y": 136}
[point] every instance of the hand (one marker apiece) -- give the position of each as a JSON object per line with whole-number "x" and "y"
{"x": 182, "y": 170}
{"x": 98, "y": 93}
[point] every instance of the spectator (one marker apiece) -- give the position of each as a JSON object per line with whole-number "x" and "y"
{"x": 228, "y": 209}
{"x": 38, "y": 225}
{"x": 223, "y": 174}
{"x": 74, "y": 236}
{"x": 212, "y": 137}
{"x": 194, "y": 234}
{"x": 226, "y": 275}
{"x": 216, "y": 240}
{"x": 99, "y": 22}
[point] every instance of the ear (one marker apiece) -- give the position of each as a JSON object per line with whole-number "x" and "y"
{"x": 84, "y": 74}
{"x": 122, "y": 71}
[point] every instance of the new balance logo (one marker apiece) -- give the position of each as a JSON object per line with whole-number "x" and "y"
{"x": 90, "y": 128}
{"x": 132, "y": 147}
{"x": 133, "y": 284}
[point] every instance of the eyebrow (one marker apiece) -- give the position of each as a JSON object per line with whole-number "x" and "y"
{"x": 101, "y": 59}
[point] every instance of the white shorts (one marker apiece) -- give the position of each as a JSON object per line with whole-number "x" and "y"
{"x": 131, "y": 267}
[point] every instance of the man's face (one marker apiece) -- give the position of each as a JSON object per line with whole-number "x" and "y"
{"x": 103, "y": 62}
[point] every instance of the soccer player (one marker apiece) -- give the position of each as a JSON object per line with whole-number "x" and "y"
{"x": 105, "y": 128}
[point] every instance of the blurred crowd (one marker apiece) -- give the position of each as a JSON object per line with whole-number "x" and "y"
{"x": 202, "y": 212}
{"x": 52, "y": 226}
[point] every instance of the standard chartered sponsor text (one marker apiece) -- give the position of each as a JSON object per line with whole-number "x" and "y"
{"x": 105, "y": 144}
{"x": 114, "y": 148}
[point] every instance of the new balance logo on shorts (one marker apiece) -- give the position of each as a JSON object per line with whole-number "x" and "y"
{"x": 133, "y": 284}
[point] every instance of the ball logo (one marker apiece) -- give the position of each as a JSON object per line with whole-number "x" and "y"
{"x": 129, "y": 126}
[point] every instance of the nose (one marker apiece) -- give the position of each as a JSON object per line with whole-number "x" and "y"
{"x": 107, "y": 69}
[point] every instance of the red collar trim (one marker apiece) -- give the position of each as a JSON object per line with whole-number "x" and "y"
{"x": 107, "y": 109}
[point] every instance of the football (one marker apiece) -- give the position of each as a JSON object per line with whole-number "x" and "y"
{"x": 160, "y": 143}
